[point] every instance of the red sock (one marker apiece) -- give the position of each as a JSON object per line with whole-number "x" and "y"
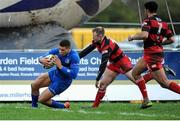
{"x": 174, "y": 87}
{"x": 147, "y": 77}
{"x": 100, "y": 94}
{"x": 141, "y": 84}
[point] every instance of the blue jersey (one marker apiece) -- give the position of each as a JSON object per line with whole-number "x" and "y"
{"x": 70, "y": 63}
{"x": 61, "y": 79}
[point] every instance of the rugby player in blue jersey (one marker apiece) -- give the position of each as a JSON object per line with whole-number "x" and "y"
{"x": 57, "y": 79}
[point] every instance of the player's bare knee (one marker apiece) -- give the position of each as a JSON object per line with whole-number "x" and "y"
{"x": 102, "y": 86}
{"x": 135, "y": 75}
{"x": 34, "y": 86}
{"x": 41, "y": 100}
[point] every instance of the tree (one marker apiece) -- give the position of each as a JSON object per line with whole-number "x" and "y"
{"x": 127, "y": 11}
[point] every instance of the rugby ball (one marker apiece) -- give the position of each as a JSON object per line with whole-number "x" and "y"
{"x": 50, "y": 58}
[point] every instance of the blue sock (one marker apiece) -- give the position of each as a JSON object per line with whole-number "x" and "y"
{"x": 57, "y": 104}
{"x": 34, "y": 100}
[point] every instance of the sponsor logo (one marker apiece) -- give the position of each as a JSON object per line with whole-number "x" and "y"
{"x": 67, "y": 61}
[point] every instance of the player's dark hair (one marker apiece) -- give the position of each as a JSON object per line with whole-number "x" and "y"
{"x": 65, "y": 43}
{"x": 152, "y": 6}
{"x": 99, "y": 30}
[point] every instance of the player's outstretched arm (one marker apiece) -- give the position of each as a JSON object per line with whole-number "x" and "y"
{"x": 168, "y": 41}
{"x": 87, "y": 50}
{"x": 139, "y": 36}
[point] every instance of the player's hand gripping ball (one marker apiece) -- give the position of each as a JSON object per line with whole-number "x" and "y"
{"x": 50, "y": 60}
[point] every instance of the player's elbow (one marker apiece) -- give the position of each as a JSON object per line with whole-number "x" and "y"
{"x": 145, "y": 35}
{"x": 171, "y": 39}
{"x": 74, "y": 75}
{"x": 74, "y": 72}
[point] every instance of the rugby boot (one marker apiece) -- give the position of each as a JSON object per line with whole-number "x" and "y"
{"x": 146, "y": 104}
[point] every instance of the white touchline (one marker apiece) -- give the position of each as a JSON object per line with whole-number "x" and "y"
{"x": 145, "y": 115}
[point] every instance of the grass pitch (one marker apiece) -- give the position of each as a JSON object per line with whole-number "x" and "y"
{"x": 106, "y": 111}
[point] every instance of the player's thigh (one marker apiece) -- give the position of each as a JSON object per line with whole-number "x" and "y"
{"x": 139, "y": 67}
{"x": 108, "y": 76}
{"x": 59, "y": 85}
{"x": 42, "y": 81}
{"x": 45, "y": 96}
{"x": 160, "y": 76}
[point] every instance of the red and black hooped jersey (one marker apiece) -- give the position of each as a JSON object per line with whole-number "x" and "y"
{"x": 110, "y": 52}
{"x": 157, "y": 30}
{"x": 110, "y": 46}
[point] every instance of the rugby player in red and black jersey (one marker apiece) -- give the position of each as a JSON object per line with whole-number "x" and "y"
{"x": 119, "y": 63}
{"x": 154, "y": 30}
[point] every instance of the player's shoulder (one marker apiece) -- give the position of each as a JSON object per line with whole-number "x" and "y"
{"x": 74, "y": 54}
{"x": 54, "y": 51}
{"x": 106, "y": 43}
{"x": 154, "y": 18}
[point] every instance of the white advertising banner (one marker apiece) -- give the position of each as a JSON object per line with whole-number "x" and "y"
{"x": 88, "y": 93}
